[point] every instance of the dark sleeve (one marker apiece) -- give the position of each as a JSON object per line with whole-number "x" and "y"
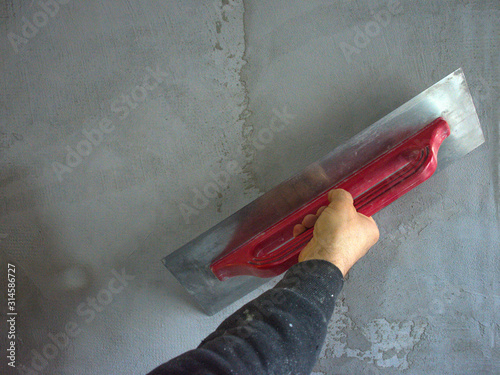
{"x": 280, "y": 332}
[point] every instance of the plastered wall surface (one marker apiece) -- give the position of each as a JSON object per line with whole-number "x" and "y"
{"x": 116, "y": 116}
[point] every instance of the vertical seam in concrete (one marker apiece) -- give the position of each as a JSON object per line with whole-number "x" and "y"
{"x": 496, "y": 162}
{"x": 496, "y": 150}
{"x": 247, "y": 129}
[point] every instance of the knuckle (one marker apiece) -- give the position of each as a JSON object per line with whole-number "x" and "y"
{"x": 340, "y": 195}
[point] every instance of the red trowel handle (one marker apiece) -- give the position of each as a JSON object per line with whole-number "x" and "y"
{"x": 373, "y": 187}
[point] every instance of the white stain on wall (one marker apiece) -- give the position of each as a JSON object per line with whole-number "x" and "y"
{"x": 380, "y": 342}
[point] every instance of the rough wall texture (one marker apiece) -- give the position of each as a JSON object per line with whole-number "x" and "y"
{"x": 116, "y": 116}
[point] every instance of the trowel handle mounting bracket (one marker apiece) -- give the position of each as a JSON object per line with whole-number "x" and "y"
{"x": 374, "y": 186}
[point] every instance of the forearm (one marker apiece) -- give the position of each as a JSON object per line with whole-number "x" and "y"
{"x": 280, "y": 332}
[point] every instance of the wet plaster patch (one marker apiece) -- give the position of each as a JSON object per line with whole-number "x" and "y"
{"x": 380, "y": 342}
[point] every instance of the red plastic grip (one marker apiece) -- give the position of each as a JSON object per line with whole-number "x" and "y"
{"x": 373, "y": 187}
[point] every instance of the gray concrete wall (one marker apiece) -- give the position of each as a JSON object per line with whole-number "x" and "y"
{"x": 157, "y": 96}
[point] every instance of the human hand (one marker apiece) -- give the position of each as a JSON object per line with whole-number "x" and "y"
{"x": 341, "y": 235}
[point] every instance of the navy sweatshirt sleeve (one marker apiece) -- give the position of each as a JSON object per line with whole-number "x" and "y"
{"x": 280, "y": 332}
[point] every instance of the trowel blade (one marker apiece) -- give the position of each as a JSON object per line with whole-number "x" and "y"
{"x": 448, "y": 98}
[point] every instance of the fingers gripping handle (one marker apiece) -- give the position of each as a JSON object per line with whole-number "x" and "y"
{"x": 373, "y": 187}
